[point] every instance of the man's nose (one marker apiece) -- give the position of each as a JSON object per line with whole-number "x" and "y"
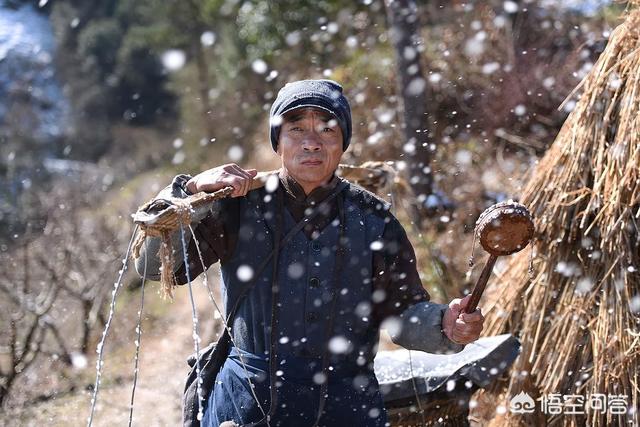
{"x": 311, "y": 142}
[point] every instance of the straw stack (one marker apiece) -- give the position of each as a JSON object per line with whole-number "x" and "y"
{"x": 579, "y": 316}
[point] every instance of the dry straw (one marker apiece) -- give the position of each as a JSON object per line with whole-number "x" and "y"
{"x": 578, "y": 318}
{"x": 176, "y": 213}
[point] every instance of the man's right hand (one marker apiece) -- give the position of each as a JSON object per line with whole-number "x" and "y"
{"x": 230, "y": 175}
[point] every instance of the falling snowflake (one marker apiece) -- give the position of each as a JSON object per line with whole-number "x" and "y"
{"x": 259, "y": 66}
{"x": 173, "y": 59}
{"x": 339, "y": 345}
{"x": 244, "y": 273}
{"x": 208, "y": 38}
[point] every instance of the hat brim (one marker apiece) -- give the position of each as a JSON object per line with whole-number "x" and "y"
{"x": 316, "y": 106}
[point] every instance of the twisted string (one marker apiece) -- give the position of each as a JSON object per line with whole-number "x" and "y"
{"x": 194, "y": 318}
{"x": 224, "y": 323}
{"x": 138, "y": 339}
{"x": 112, "y": 308}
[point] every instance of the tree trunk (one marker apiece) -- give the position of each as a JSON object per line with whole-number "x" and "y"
{"x": 202, "y": 66}
{"x": 403, "y": 30}
{"x": 203, "y": 87}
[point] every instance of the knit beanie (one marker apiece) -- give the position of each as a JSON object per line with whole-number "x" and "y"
{"x": 323, "y": 94}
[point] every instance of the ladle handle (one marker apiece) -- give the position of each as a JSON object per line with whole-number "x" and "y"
{"x": 478, "y": 289}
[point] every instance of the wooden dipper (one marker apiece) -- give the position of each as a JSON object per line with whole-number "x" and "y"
{"x": 503, "y": 229}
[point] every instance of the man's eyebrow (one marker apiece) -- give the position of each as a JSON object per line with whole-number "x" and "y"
{"x": 293, "y": 118}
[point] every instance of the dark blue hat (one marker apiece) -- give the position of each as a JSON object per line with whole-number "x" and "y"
{"x": 323, "y": 94}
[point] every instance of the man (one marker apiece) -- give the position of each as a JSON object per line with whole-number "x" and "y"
{"x": 305, "y": 331}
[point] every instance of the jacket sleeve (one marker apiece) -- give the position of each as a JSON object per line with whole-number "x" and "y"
{"x": 209, "y": 229}
{"x": 412, "y": 320}
{"x": 419, "y": 327}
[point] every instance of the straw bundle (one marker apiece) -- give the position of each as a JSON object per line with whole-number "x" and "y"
{"x": 579, "y": 316}
{"x": 160, "y": 218}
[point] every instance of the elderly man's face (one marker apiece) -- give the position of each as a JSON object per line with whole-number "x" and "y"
{"x": 310, "y": 146}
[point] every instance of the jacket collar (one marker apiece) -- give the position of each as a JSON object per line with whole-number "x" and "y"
{"x": 296, "y": 194}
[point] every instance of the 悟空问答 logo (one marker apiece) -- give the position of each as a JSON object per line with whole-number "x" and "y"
{"x": 522, "y": 403}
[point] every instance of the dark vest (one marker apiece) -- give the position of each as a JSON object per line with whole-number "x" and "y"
{"x": 305, "y": 270}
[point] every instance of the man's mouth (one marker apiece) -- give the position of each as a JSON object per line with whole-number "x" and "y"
{"x": 311, "y": 162}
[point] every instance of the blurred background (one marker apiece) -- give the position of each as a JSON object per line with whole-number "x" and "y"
{"x": 103, "y": 101}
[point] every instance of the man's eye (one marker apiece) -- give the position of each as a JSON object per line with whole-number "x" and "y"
{"x": 328, "y": 129}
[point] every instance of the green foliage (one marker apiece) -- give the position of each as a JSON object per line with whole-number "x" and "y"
{"x": 98, "y": 45}
{"x": 139, "y": 75}
{"x": 120, "y": 76}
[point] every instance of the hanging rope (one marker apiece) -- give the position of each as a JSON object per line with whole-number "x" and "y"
{"x": 415, "y": 390}
{"x": 112, "y": 308}
{"x": 138, "y": 341}
{"x": 225, "y": 325}
{"x": 194, "y": 318}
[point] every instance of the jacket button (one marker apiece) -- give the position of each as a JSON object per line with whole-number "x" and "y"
{"x": 312, "y": 317}
{"x": 314, "y": 282}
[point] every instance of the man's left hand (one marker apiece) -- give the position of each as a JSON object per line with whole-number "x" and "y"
{"x": 461, "y": 327}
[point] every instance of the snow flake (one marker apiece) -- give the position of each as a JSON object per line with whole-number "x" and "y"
{"x": 319, "y": 378}
{"x": 244, "y": 273}
{"x": 363, "y": 309}
{"x": 173, "y": 59}
{"x": 339, "y": 345}
{"x": 474, "y": 47}
{"x": 375, "y": 138}
{"x": 510, "y": 6}
{"x": 374, "y": 412}
{"x": 490, "y": 67}
{"x": 259, "y": 66}
{"x": 393, "y": 325}
{"x": 178, "y": 158}
{"x": 235, "y": 153}
{"x": 409, "y": 53}
{"x": 376, "y": 245}
{"x": 568, "y": 269}
{"x": 295, "y": 270}
{"x": 520, "y": 110}
{"x": 435, "y": 78}
{"x": 79, "y": 360}
{"x": 464, "y": 157}
{"x": 293, "y": 38}
{"x": 549, "y": 82}
{"x": 416, "y": 86}
{"x": 499, "y": 21}
{"x": 385, "y": 116}
{"x": 208, "y": 38}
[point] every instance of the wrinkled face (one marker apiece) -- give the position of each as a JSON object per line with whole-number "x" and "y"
{"x": 310, "y": 146}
